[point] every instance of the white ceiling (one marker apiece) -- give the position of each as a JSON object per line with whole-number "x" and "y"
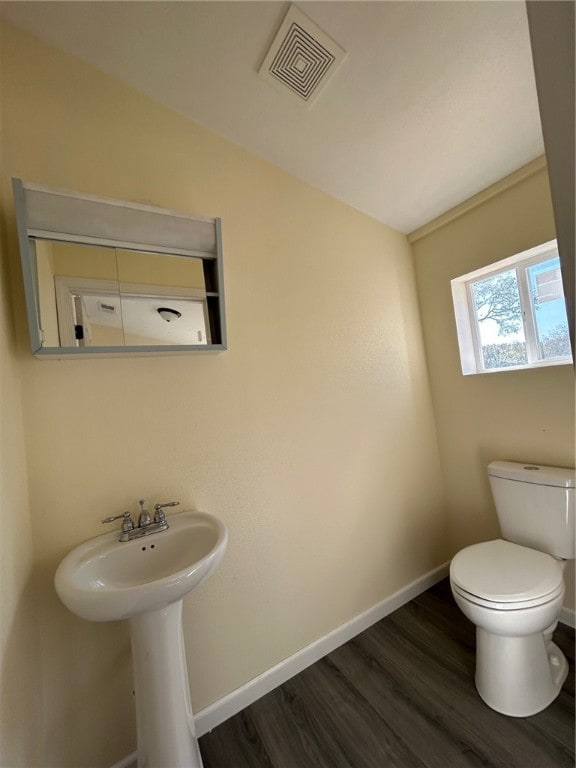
{"x": 435, "y": 101}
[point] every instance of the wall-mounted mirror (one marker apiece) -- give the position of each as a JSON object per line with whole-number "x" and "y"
{"x": 97, "y": 296}
{"x": 151, "y": 282}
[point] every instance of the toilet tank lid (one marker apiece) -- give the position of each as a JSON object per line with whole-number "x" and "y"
{"x": 562, "y": 477}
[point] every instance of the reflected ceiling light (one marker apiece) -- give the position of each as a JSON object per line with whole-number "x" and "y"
{"x": 169, "y": 314}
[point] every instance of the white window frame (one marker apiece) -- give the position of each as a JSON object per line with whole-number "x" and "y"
{"x": 467, "y": 324}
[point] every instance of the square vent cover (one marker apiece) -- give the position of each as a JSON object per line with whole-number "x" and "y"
{"x": 302, "y": 58}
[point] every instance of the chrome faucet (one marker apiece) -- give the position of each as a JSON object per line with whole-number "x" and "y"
{"x": 146, "y": 524}
{"x": 145, "y": 518}
{"x": 127, "y": 525}
{"x": 159, "y": 514}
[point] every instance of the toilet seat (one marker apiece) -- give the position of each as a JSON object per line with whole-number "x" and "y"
{"x": 505, "y": 576}
{"x": 509, "y": 606}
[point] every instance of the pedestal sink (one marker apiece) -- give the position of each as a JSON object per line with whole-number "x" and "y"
{"x": 144, "y": 581}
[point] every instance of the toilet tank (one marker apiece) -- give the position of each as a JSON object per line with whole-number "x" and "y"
{"x": 536, "y": 506}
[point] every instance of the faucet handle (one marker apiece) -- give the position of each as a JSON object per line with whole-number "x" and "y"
{"x": 127, "y": 524}
{"x": 159, "y": 514}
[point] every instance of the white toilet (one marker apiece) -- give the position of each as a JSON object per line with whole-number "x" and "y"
{"x": 512, "y": 589}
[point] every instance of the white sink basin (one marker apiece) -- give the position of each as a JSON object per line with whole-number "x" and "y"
{"x": 107, "y": 580}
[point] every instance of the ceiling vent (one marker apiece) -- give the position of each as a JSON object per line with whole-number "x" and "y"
{"x": 302, "y": 58}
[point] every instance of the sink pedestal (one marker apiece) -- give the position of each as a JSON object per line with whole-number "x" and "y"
{"x": 164, "y": 720}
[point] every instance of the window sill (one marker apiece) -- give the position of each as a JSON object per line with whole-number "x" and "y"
{"x": 528, "y": 367}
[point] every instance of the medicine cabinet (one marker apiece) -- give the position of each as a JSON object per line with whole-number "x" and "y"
{"x": 105, "y": 277}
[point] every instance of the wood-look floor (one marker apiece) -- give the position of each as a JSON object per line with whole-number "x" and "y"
{"x": 399, "y": 694}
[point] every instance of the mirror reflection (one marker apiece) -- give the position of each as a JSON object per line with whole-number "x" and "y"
{"x": 97, "y": 296}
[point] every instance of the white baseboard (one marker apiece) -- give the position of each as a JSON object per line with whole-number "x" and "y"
{"x": 127, "y": 762}
{"x": 567, "y": 616}
{"x": 247, "y": 694}
{"x": 254, "y": 689}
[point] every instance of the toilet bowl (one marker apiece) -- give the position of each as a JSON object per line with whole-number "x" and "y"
{"x": 512, "y": 588}
{"x": 513, "y": 594}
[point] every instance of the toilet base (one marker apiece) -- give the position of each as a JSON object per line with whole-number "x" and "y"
{"x": 518, "y": 676}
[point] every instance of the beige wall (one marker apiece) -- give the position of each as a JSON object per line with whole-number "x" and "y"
{"x": 312, "y": 437}
{"x": 154, "y": 269}
{"x": 89, "y": 261}
{"x": 21, "y": 693}
{"x": 46, "y": 292}
{"x": 517, "y": 415}
{"x": 127, "y": 266}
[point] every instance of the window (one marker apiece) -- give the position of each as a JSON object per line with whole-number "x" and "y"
{"x": 512, "y": 314}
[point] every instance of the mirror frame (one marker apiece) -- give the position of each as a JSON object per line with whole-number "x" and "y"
{"x": 44, "y": 213}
